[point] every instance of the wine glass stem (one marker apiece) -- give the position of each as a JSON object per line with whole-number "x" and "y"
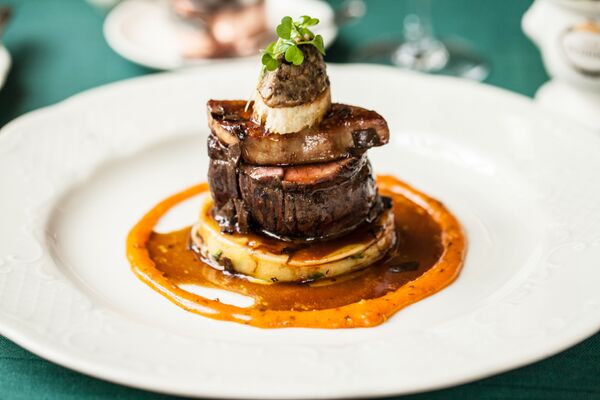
{"x": 417, "y": 24}
{"x": 422, "y": 10}
{"x": 420, "y": 50}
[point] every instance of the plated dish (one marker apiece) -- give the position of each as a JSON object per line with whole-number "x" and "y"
{"x": 80, "y": 174}
{"x": 147, "y": 32}
{"x": 292, "y": 217}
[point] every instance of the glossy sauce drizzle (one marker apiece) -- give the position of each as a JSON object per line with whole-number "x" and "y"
{"x": 427, "y": 257}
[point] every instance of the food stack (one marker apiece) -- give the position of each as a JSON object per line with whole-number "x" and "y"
{"x": 291, "y": 164}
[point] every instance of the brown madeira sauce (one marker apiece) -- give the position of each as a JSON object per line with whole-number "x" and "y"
{"x": 427, "y": 257}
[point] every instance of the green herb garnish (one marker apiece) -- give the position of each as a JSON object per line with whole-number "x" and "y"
{"x": 291, "y": 35}
{"x": 217, "y": 255}
{"x": 316, "y": 276}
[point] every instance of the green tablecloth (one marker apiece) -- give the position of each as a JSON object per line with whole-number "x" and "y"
{"x": 58, "y": 50}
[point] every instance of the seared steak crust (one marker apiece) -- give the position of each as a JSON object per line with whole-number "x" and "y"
{"x": 296, "y": 202}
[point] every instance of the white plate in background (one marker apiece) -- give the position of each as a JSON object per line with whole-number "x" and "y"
{"x": 143, "y": 31}
{"x": 78, "y": 175}
{"x": 5, "y": 62}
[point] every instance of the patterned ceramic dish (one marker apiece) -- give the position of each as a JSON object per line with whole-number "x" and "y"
{"x": 76, "y": 176}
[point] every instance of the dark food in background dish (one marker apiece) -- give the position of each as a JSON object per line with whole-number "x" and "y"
{"x": 220, "y": 28}
{"x": 204, "y": 8}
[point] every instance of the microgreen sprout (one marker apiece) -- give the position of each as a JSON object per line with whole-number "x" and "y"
{"x": 292, "y": 34}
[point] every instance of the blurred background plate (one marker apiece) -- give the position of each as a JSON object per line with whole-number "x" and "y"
{"x": 145, "y": 31}
{"x": 5, "y": 62}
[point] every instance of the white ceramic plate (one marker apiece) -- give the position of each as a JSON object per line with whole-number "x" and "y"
{"x": 5, "y": 62}
{"x": 78, "y": 175}
{"x": 143, "y": 31}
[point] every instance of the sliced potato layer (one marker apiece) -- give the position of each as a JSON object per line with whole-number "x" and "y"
{"x": 272, "y": 260}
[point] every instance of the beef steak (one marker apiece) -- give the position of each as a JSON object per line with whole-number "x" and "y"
{"x": 305, "y": 202}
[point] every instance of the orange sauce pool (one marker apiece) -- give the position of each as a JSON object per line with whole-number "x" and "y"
{"x": 427, "y": 257}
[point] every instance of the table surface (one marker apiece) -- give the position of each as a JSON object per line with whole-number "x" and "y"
{"x": 58, "y": 50}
